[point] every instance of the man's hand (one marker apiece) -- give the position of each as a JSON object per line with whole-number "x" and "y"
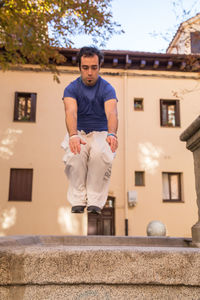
{"x": 112, "y": 141}
{"x": 75, "y": 144}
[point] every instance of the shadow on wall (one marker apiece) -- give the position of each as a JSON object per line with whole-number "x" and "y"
{"x": 72, "y": 224}
{"x": 10, "y": 137}
{"x": 149, "y": 157}
{"x": 180, "y": 93}
{"x": 7, "y": 219}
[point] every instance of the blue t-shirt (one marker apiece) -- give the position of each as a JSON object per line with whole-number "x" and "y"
{"x": 90, "y": 101}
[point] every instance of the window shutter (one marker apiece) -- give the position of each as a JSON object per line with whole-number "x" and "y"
{"x": 178, "y": 113}
{"x": 33, "y": 107}
{"x": 20, "y": 185}
{"x": 161, "y": 112}
{"x": 195, "y": 42}
{"x": 16, "y": 107}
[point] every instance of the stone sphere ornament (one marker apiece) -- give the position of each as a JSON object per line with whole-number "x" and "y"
{"x": 156, "y": 228}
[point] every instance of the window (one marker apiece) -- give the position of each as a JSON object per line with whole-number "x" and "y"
{"x": 138, "y": 104}
{"x": 20, "y": 185}
{"x": 25, "y": 107}
{"x": 139, "y": 178}
{"x": 171, "y": 187}
{"x": 195, "y": 42}
{"x": 169, "y": 113}
{"x": 110, "y": 202}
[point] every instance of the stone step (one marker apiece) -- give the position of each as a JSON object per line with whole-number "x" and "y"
{"x": 67, "y": 267}
{"x": 46, "y": 240}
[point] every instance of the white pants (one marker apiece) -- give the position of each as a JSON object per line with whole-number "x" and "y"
{"x": 89, "y": 172}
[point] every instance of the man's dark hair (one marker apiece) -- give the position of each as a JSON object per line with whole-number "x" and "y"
{"x": 89, "y": 52}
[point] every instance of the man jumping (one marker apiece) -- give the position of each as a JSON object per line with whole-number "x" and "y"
{"x": 91, "y": 118}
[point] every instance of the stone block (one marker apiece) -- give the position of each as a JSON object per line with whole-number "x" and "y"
{"x": 60, "y": 268}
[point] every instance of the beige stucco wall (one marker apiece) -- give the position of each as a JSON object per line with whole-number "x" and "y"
{"x": 155, "y": 149}
{"x": 143, "y": 145}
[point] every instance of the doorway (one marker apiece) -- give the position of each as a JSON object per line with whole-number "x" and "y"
{"x": 103, "y": 224}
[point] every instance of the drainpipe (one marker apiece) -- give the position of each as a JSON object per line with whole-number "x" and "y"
{"x": 125, "y": 153}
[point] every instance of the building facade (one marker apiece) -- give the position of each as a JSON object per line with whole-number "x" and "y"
{"x": 152, "y": 176}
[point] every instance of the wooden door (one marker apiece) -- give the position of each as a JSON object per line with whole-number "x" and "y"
{"x": 103, "y": 224}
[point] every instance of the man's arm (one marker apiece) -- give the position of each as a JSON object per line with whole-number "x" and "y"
{"x": 75, "y": 142}
{"x": 70, "y": 106}
{"x": 112, "y": 118}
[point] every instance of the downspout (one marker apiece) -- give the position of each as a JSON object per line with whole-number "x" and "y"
{"x": 125, "y": 153}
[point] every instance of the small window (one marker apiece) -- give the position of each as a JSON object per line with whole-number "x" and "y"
{"x": 195, "y": 42}
{"x": 139, "y": 178}
{"x": 169, "y": 113}
{"x": 25, "y": 107}
{"x": 20, "y": 185}
{"x": 171, "y": 187}
{"x": 138, "y": 104}
{"x": 110, "y": 201}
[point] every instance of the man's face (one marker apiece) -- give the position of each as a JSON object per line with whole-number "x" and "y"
{"x": 89, "y": 69}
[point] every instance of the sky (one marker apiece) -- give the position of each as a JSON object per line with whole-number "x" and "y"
{"x": 140, "y": 19}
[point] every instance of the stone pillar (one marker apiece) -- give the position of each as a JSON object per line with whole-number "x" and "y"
{"x": 192, "y": 138}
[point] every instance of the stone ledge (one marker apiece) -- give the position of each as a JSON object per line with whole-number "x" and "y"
{"x": 99, "y": 292}
{"x": 49, "y": 240}
{"x": 40, "y": 264}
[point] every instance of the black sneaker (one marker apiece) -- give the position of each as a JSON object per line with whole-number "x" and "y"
{"x": 79, "y": 209}
{"x": 94, "y": 209}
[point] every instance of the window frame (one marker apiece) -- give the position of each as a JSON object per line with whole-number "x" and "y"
{"x": 170, "y": 200}
{"x": 142, "y": 173}
{"x": 177, "y": 113}
{"x": 138, "y": 99}
{"x": 33, "y": 97}
{"x": 26, "y": 180}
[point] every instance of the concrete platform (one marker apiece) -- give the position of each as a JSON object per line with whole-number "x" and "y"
{"x": 67, "y": 267}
